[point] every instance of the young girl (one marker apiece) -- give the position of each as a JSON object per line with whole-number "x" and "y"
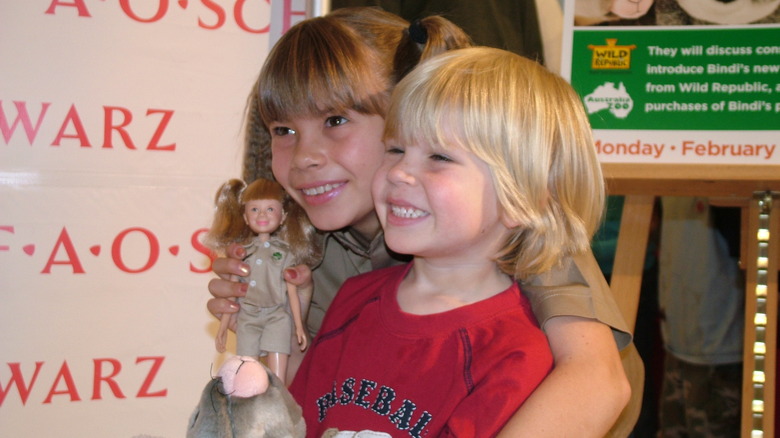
{"x": 255, "y": 216}
{"x": 322, "y": 96}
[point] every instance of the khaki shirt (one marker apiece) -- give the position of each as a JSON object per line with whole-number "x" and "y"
{"x": 268, "y": 260}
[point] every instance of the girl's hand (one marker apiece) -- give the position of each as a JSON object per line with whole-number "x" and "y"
{"x": 226, "y": 288}
{"x": 299, "y": 275}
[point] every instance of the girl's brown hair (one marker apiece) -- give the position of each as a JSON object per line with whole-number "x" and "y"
{"x": 349, "y": 59}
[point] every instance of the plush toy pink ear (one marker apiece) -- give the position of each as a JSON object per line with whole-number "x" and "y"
{"x": 243, "y": 376}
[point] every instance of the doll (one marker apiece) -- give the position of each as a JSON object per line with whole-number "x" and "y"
{"x": 276, "y": 235}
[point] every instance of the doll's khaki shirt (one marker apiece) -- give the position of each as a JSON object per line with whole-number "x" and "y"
{"x": 576, "y": 288}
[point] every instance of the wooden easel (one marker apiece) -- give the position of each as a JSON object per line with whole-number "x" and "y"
{"x": 757, "y": 190}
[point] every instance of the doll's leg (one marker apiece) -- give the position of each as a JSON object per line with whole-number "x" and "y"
{"x": 277, "y": 363}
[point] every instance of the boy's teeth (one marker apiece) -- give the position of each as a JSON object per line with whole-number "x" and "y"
{"x": 409, "y": 213}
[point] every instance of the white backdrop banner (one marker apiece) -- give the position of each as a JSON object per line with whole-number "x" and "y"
{"x": 118, "y": 121}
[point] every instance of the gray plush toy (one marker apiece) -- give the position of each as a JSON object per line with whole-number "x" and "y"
{"x": 246, "y": 400}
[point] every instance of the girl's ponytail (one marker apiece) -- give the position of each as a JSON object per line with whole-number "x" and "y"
{"x": 426, "y": 38}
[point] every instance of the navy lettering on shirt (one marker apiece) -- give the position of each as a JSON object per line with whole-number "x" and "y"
{"x": 380, "y": 402}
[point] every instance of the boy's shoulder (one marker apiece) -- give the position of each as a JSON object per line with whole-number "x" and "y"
{"x": 376, "y": 277}
{"x": 360, "y": 290}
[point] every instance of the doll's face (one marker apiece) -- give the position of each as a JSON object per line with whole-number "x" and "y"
{"x": 326, "y": 163}
{"x": 263, "y": 216}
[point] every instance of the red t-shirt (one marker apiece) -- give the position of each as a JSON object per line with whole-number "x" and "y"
{"x": 462, "y": 372}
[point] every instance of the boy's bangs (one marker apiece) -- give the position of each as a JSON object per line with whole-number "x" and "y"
{"x": 430, "y": 112}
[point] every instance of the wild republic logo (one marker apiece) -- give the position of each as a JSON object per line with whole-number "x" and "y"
{"x": 611, "y": 56}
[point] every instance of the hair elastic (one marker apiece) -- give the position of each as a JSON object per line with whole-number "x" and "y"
{"x": 417, "y": 32}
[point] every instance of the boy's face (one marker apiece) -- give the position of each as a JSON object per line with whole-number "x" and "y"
{"x": 326, "y": 163}
{"x": 263, "y": 216}
{"x": 438, "y": 203}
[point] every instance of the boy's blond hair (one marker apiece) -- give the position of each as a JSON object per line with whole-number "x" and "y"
{"x": 529, "y": 126}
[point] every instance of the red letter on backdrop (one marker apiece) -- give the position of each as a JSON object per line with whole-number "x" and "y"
{"x": 288, "y": 14}
{"x": 158, "y": 133}
{"x": 73, "y": 258}
{"x": 16, "y": 378}
{"x": 70, "y": 385}
{"x": 201, "y": 248}
{"x": 117, "y": 366}
{"x": 163, "y": 9}
{"x": 10, "y": 229}
{"x": 154, "y": 250}
{"x": 144, "y": 391}
{"x": 78, "y": 4}
{"x": 21, "y": 117}
{"x": 80, "y": 134}
{"x": 220, "y": 13}
{"x": 108, "y": 126}
{"x": 238, "y": 13}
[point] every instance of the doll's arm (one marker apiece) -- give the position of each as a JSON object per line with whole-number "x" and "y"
{"x": 587, "y": 389}
{"x": 226, "y": 321}
{"x": 295, "y": 309}
{"x": 220, "y": 341}
{"x": 301, "y": 277}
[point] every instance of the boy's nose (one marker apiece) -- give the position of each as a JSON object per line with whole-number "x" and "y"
{"x": 401, "y": 173}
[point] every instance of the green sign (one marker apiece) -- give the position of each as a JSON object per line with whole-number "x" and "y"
{"x": 679, "y": 79}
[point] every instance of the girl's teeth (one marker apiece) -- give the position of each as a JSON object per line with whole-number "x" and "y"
{"x": 319, "y": 190}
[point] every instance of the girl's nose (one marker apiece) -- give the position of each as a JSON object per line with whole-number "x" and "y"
{"x": 308, "y": 152}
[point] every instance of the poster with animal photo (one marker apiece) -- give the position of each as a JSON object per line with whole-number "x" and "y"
{"x": 690, "y": 82}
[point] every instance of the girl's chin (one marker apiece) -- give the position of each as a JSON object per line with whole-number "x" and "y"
{"x": 328, "y": 222}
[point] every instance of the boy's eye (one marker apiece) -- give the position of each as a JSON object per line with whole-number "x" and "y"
{"x": 395, "y": 150}
{"x": 440, "y": 157}
{"x": 281, "y": 131}
{"x": 335, "y": 121}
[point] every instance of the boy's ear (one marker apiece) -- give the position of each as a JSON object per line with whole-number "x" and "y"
{"x": 508, "y": 221}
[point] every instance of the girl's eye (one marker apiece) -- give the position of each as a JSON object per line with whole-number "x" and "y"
{"x": 280, "y": 131}
{"x": 335, "y": 121}
{"x": 270, "y": 209}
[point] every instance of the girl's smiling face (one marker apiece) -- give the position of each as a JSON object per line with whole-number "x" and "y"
{"x": 438, "y": 203}
{"x": 326, "y": 163}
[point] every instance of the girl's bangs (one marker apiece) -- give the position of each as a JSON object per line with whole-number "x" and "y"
{"x": 320, "y": 68}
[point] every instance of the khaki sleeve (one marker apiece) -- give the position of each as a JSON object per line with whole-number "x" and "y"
{"x": 576, "y": 287}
